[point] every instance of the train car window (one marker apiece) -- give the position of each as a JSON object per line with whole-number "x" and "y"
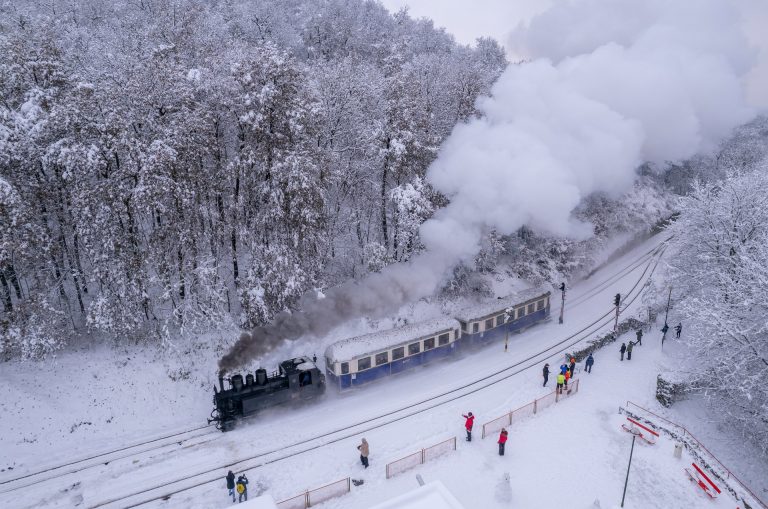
{"x": 475, "y": 328}
{"x": 521, "y": 312}
{"x": 489, "y": 324}
{"x": 443, "y": 339}
{"x": 499, "y": 320}
{"x": 463, "y": 326}
{"x": 363, "y": 363}
{"x": 531, "y": 308}
{"x": 540, "y": 305}
{"x": 429, "y": 344}
{"x": 382, "y": 358}
{"x": 305, "y": 378}
{"x": 414, "y": 348}
{"x": 398, "y": 353}
{"x": 344, "y": 368}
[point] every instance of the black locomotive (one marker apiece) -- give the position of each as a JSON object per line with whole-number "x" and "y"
{"x": 296, "y": 379}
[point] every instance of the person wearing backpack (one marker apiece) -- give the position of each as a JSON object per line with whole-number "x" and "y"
{"x": 231, "y": 484}
{"x": 242, "y": 488}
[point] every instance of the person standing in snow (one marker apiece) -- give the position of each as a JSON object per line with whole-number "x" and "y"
{"x": 546, "y": 374}
{"x": 563, "y": 369}
{"x": 567, "y": 376}
{"x": 588, "y": 364}
{"x": 639, "y": 337}
{"x": 678, "y": 329}
{"x": 629, "y": 350}
{"x": 231, "y": 484}
{"x": 622, "y": 350}
{"x": 572, "y": 366}
{"x": 242, "y": 488}
{"x": 364, "y": 450}
{"x": 560, "y": 382}
{"x": 470, "y": 421}
{"x": 502, "y": 441}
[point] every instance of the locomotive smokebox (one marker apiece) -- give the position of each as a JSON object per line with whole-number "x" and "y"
{"x": 261, "y": 376}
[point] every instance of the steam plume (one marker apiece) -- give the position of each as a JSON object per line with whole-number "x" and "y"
{"x": 614, "y": 83}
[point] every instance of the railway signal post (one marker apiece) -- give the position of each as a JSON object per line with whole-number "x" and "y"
{"x": 666, "y": 315}
{"x": 617, "y": 303}
{"x": 562, "y": 306}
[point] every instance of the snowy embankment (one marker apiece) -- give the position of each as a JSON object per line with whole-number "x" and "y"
{"x": 572, "y": 453}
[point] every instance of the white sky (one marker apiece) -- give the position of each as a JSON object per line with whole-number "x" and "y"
{"x": 468, "y": 20}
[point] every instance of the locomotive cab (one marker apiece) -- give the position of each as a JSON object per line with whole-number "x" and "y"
{"x": 295, "y": 379}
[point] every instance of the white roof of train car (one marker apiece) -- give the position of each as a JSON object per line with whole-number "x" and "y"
{"x": 496, "y": 306}
{"x": 375, "y": 342}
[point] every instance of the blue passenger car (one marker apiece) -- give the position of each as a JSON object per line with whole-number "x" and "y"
{"x": 494, "y": 320}
{"x": 355, "y": 361}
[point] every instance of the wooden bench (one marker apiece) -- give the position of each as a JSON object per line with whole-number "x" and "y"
{"x": 641, "y": 431}
{"x": 696, "y": 476}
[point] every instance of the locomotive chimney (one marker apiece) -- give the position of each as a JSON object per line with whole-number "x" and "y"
{"x": 221, "y": 381}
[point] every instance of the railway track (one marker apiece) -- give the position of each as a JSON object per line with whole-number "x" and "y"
{"x": 210, "y": 475}
{"x": 157, "y": 444}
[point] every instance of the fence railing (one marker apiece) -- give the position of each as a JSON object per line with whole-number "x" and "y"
{"x": 317, "y": 495}
{"x": 532, "y": 408}
{"x": 420, "y": 457}
{"x": 687, "y": 435}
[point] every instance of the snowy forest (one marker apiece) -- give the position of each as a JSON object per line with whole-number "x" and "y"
{"x": 171, "y": 167}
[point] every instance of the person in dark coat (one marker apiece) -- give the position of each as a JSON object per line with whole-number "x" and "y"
{"x": 639, "y": 337}
{"x": 678, "y": 329}
{"x": 231, "y": 484}
{"x": 242, "y": 481}
{"x": 622, "y": 350}
{"x": 364, "y": 451}
{"x": 588, "y": 364}
{"x": 629, "y": 350}
{"x": 546, "y": 374}
{"x": 470, "y": 421}
{"x": 502, "y": 441}
{"x": 572, "y": 366}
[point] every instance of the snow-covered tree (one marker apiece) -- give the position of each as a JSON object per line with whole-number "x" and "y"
{"x": 720, "y": 269}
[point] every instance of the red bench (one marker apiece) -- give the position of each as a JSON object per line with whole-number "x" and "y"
{"x": 640, "y": 430}
{"x": 696, "y": 478}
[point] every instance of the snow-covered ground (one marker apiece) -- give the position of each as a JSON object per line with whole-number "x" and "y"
{"x": 572, "y": 454}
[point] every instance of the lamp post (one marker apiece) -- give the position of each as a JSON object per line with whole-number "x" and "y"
{"x": 626, "y": 480}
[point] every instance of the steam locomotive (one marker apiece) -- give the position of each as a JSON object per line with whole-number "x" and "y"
{"x": 296, "y": 379}
{"x": 355, "y": 361}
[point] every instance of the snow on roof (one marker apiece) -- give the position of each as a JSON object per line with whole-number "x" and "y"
{"x": 375, "y": 342}
{"x": 262, "y": 502}
{"x": 433, "y": 495}
{"x": 496, "y": 306}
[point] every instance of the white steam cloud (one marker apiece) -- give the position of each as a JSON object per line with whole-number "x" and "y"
{"x": 612, "y": 84}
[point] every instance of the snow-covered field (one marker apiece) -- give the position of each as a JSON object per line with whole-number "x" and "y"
{"x": 572, "y": 454}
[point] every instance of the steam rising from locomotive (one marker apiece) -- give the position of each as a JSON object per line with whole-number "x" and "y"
{"x": 614, "y": 84}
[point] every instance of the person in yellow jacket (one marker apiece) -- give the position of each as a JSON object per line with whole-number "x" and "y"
{"x": 560, "y": 382}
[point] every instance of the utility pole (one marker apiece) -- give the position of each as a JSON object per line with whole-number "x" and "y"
{"x": 666, "y": 315}
{"x": 617, "y": 303}
{"x": 562, "y": 306}
{"x": 626, "y": 480}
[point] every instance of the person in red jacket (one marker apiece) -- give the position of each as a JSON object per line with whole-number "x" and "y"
{"x": 502, "y": 441}
{"x": 470, "y": 422}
